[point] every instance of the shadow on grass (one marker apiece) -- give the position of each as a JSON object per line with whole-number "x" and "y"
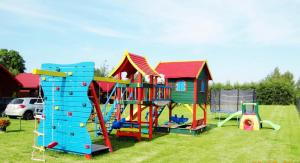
{"x": 223, "y": 118}
{"x": 126, "y": 142}
{"x": 18, "y": 130}
{"x": 211, "y": 126}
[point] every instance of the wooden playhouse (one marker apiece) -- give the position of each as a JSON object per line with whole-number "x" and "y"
{"x": 189, "y": 81}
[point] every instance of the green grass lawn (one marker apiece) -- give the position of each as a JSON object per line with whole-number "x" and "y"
{"x": 226, "y": 144}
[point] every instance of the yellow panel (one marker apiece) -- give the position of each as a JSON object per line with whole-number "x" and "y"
{"x": 253, "y": 118}
{"x": 49, "y": 73}
{"x": 130, "y": 129}
{"x": 113, "y": 80}
{"x": 189, "y": 107}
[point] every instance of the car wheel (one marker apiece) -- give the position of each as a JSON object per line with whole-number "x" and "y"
{"x": 28, "y": 115}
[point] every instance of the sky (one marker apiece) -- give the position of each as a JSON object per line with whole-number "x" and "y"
{"x": 242, "y": 41}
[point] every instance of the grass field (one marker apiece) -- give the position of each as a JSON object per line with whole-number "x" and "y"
{"x": 226, "y": 144}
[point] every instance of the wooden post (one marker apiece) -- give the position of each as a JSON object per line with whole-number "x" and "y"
{"x": 118, "y": 116}
{"x": 131, "y": 105}
{"x": 100, "y": 117}
{"x": 156, "y": 107}
{"x": 205, "y": 104}
{"x": 150, "y": 115}
{"x": 194, "y": 124}
{"x": 170, "y": 111}
{"x": 139, "y": 101}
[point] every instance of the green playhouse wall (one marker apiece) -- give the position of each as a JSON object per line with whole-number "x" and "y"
{"x": 187, "y": 97}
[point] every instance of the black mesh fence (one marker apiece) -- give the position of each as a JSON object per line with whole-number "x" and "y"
{"x": 229, "y": 101}
{"x": 298, "y": 105}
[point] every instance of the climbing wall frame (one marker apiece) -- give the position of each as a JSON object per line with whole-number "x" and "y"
{"x": 67, "y": 108}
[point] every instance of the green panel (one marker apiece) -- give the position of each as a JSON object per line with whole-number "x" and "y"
{"x": 186, "y": 97}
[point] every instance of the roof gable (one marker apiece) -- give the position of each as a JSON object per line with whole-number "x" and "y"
{"x": 9, "y": 83}
{"x": 29, "y": 80}
{"x": 132, "y": 63}
{"x": 182, "y": 69}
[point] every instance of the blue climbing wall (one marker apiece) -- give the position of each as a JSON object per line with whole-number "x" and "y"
{"x": 67, "y": 107}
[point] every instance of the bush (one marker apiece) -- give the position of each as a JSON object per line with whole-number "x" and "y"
{"x": 275, "y": 89}
{"x": 4, "y": 123}
{"x": 275, "y": 93}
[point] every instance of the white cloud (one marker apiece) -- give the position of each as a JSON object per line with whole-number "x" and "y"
{"x": 218, "y": 22}
{"x": 172, "y": 22}
{"x": 103, "y": 31}
{"x": 41, "y": 14}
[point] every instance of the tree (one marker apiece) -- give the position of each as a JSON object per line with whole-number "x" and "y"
{"x": 102, "y": 71}
{"x": 12, "y": 60}
{"x": 276, "y": 88}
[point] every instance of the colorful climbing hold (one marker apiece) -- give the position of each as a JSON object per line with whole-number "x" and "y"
{"x": 56, "y": 108}
{"x": 70, "y": 113}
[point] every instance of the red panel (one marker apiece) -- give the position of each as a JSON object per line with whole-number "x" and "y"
{"x": 106, "y": 86}
{"x": 28, "y": 80}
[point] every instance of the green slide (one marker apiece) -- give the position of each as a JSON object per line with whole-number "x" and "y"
{"x": 273, "y": 125}
{"x": 220, "y": 124}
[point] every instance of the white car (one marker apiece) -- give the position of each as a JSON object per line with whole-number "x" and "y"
{"x": 24, "y": 107}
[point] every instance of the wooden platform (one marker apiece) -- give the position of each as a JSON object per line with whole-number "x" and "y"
{"x": 180, "y": 129}
{"x": 96, "y": 149}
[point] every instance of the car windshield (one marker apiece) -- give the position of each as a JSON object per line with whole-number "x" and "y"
{"x": 17, "y": 101}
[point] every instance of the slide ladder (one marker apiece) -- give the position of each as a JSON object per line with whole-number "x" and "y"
{"x": 110, "y": 116}
{"x": 160, "y": 110}
{"x": 220, "y": 124}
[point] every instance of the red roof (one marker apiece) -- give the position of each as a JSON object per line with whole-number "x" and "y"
{"x": 29, "y": 81}
{"x": 106, "y": 86}
{"x": 9, "y": 83}
{"x": 182, "y": 69}
{"x": 131, "y": 63}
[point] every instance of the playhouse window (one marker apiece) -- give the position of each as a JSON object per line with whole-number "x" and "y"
{"x": 203, "y": 85}
{"x": 181, "y": 85}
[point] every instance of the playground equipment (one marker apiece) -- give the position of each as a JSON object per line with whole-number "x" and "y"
{"x": 146, "y": 96}
{"x": 229, "y": 102}
{"x": 67, "y": 108}
{"x": 190, "y": 88}
{"x": 238, "y": 103}
{"x": 251, "y": 120}
{"x": 71, "y": 98}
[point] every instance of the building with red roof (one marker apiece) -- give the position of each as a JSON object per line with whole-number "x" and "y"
{"x": 30, "y": 84}
{"x": 8, "y": 86}
{"x": 184, "y": 76}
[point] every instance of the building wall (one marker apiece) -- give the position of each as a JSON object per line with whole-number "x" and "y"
{"x": 186, "y": 97}
{"x": 202, "y": 95}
